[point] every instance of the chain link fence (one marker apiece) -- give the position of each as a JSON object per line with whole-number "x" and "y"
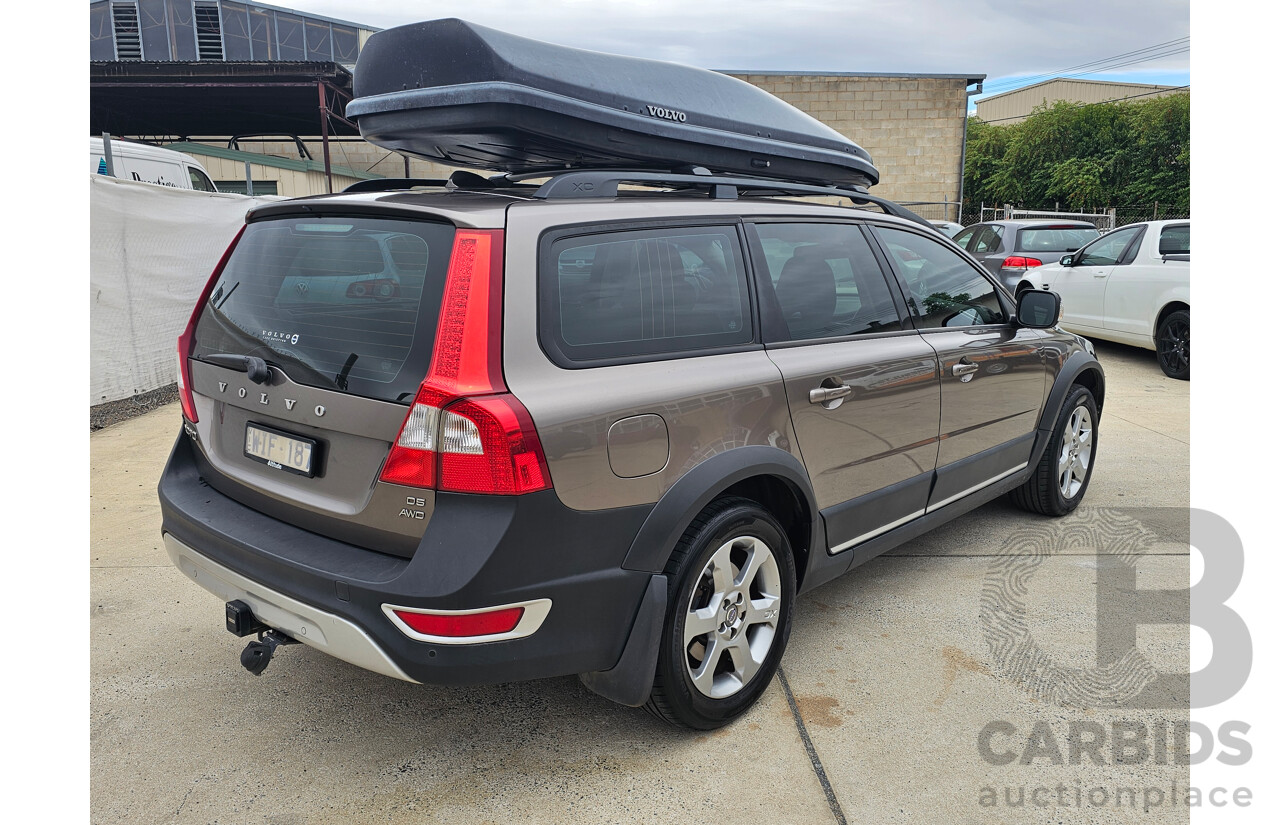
{"x": 1105, "y": 219}
{"x": 1152, "y": 212}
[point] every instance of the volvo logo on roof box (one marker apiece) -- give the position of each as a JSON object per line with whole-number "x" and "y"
{"x": 667, "y": 114}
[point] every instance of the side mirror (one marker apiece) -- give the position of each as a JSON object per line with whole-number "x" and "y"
{"x": 1039, "y": 310}
{"x": 1067, "y": 260}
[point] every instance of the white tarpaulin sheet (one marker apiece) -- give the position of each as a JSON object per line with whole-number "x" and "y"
{"x": 151, "y": 251}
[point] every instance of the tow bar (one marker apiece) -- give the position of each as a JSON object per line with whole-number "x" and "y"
{"x": 256, "y": 655}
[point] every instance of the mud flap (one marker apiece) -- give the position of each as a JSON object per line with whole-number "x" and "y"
{"x": 630, "y": 680}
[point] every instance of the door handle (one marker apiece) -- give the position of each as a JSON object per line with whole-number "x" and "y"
{"x": 964, "y": 368}
{"x": 822, "y": 395}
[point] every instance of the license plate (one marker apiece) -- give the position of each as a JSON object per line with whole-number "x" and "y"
{"x": 283, "y": 452}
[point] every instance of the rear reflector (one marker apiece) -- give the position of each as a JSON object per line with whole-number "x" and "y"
{"x": 1017, "y": 262}
{"x": 461, "y": 625}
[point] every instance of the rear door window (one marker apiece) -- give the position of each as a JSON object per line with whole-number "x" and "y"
{"x": 989, "y": 240}
{"x": 826, "y": 280}
{"x": 341, "y": 303}
{"x": 630, "y": 294}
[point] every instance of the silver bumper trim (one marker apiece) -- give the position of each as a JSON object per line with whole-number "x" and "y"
{"x": 324, "y": 631}
{"x": 535, "y": 612}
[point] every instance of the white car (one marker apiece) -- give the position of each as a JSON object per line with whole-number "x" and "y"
{"x": 1132, "y": 286}
{"x": 948, "y": 228}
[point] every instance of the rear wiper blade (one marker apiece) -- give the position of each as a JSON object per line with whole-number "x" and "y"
{"x": 341, "y": 378}
{"x": 257, "y": 369}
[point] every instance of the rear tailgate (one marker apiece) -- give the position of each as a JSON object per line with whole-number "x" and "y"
{"x": 1049, "y": 243}
{"x": 344, "y": 310}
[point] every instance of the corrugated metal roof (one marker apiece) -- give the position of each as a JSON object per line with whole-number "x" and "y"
{"x": 294, "y": 12}
{"x": 214, "y": 98}
{"x": 1151, "y": 86}
{"x": 298, "y": 165}
{"x": 968, "y": 78}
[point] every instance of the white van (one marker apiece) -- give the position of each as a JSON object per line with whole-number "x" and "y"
{"x": 150, "y": 164}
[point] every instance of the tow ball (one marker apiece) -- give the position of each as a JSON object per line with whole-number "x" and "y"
{"x": 256, "y": 655}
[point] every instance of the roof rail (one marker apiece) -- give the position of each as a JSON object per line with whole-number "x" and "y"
{"x": 604, "y": 183}
{"x": 598, "y": 183}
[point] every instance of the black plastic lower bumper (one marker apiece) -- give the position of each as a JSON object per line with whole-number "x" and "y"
{"x": 477, "y": 552}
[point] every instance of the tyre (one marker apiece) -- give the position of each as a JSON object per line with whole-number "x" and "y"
{"x": 1173, "y": 345}
{"x": 732, "y": 583}
{"x": 1062, "y": 476}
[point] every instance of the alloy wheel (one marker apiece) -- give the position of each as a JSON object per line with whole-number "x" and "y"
{"x": 732, "y": 618}
{"x": 1076, "y": 452}
{"x": 1175, "y": 347}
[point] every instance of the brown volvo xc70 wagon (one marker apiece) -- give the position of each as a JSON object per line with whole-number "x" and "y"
{"x": 460, "y": 435}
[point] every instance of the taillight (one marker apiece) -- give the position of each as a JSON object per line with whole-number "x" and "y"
{"x": 1017, "y": 262}
{"x": 187, "y": 339}
{"x": 488, "y": 445}
{"x": 465, "y": 432}
{"x": 381, "y": 289}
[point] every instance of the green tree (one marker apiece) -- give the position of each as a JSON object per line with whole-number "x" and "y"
{"x": 1084, "y": 157}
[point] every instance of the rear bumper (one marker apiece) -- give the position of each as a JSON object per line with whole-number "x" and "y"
{"x": 477, "y": 552}
{"x": 333, "y": 634}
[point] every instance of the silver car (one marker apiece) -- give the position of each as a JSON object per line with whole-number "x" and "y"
{"x": 1007, "y": 249}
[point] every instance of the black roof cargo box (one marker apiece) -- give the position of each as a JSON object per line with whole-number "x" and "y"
{"x": 466, "y": 95}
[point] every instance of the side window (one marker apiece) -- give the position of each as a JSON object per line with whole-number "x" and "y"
{"x": 1107, "y": 250}
{"x": 200, "y": 181}
{"x": 826, "y": 280}
{"x": 635, "y": 293}
{"x": 1175, "y": 239}
{"x": 989, "y": 240}
{"x": 944, "y": 289}
{"x": 962, "y": 240}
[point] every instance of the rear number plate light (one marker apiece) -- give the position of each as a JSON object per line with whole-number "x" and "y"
{"x": 291, "y": 453}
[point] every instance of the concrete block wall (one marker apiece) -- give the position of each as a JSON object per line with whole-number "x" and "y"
{"x": 912, "y": 126}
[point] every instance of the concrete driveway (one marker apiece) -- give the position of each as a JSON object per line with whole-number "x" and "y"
{"x": 958, "y": 670}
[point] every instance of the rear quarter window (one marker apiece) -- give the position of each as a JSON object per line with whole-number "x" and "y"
{"x": 1175, "y": 240}
{"x": 645, "y": 292}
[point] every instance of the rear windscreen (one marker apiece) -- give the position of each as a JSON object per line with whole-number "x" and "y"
{"x": 1055, "y": 239}
{"x": 340, "y": 303}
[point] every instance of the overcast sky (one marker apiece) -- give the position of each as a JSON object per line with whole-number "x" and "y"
{"x": 1007, "y": 40}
